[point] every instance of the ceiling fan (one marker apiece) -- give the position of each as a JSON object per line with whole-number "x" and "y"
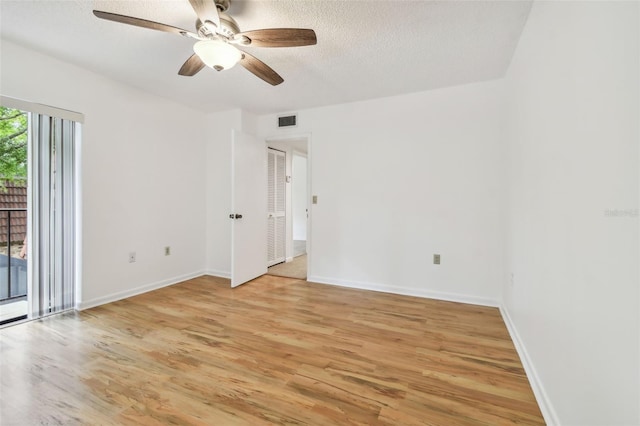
{"x": 218, "y": 35}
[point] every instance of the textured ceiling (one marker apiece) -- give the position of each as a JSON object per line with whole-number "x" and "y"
{"x": 366, "y": 49}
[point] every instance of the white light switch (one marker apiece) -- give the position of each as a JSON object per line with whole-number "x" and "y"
{"x": 314, "y": 199}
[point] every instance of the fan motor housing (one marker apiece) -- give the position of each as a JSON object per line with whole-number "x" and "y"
{"x": 228, "y": 27}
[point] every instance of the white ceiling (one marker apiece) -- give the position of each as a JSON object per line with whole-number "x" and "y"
{"x": 366, "y": 48}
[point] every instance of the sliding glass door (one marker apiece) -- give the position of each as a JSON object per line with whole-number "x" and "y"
{"x": 39, "y": 220}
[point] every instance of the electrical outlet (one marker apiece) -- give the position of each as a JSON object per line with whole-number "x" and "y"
{"x": 513, "y": 280}
{"x": 167, "y": 251}
{"x": 132, "y": 257}
{"x": 436, "y": 259}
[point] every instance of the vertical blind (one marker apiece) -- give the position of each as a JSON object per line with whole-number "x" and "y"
{"x": 52, "y": 213}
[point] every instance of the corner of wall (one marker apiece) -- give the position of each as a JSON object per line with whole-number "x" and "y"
{"x": 81, "y": 305}
{"x": 544, "y": 402}
{"x": 218, "y": 189}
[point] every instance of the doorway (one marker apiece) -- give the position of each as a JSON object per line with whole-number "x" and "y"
{"x": 296, "y": 216}
{"x": 276, "y": 204}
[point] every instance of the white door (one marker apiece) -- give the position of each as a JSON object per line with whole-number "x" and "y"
{"x": 248, "y": 204}
{"x": 276, "y": 202}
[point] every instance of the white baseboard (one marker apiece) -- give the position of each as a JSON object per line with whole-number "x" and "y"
{"x": 220, "y": 274}
{"x": 548, "y": 412}
{"x": 385, "y": 288}
{"x": 82, "y": 305}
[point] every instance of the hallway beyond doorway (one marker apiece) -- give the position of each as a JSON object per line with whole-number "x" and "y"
{"x": 297, "y": 268}
{"x": 299, "y": 247}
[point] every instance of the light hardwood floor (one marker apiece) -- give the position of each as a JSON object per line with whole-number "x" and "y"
{"x": 274, "y": 351}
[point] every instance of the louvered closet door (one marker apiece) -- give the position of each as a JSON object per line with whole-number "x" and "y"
{"x": 276, "y": 216}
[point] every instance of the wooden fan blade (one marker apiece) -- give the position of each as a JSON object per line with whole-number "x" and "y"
{"x": 260, "y": 69}
{"x": 192, "y": 66}
{"x": 206, "y": 11}
{"x": 277, "y": 37}
{"x": 137, "y": 22}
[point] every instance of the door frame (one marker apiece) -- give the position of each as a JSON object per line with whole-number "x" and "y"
{"x": 287, "y": 139}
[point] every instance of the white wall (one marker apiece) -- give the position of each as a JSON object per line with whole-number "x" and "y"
{"x": 299, "y": 197}
{"x": 573, "y": 153}
{"x": 142, "y": 174}
{"x": 399, "y": 179}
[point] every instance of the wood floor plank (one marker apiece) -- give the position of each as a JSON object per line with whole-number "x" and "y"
{"x": 273, "y": 351}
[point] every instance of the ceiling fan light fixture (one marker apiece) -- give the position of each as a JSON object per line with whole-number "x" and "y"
{"x": 217, "y": 54}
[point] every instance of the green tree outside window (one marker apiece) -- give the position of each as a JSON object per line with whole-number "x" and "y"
{"x": 13, "y": 145}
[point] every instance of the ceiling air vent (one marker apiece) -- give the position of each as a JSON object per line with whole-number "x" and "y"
{"x": 288, "y": 121}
